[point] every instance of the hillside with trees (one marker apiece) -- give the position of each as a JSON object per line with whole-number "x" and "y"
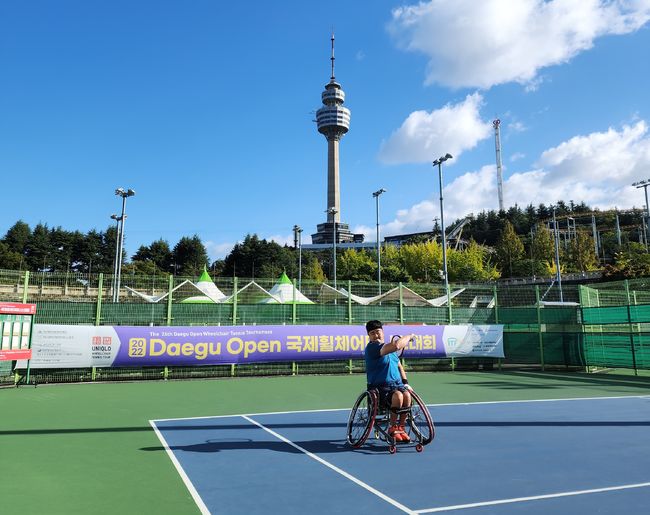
{"x": 493, "y": 244}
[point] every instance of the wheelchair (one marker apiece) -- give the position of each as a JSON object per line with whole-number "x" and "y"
{"x": 367, "y": 414}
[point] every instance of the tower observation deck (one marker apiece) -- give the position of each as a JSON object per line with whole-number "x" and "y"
{"x": 333, "y": 121}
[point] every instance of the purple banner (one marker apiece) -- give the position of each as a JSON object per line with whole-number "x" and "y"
{"x": 166, "y": 346}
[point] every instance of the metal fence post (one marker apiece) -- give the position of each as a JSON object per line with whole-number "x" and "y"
{"x": 170, "y": 292}
{"x": 25, "y": 286}
{"x": 539, "y": 327}
{"x": 349, "y": 302}
{"x": 293, "y": 307}
{"x": 401, "y": 304}
{"x": 100, "y": 293}
{"x": 630, "y": 326}
{"x": 496, "y": 318}
{"x": 234, "y": 301}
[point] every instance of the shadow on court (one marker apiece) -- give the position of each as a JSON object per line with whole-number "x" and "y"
{"x": 244, "y": 444}
{"x": 320, "y": 425}
{"x": 559, "y": 380}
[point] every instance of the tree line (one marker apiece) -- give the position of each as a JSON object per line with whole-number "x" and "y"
{"x": 496, "y": 244}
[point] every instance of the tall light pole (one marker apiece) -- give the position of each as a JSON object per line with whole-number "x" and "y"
{"x": 297, "y": 243}
{"x": 117, "y": 247}
{"x": 438, "y": 162}
{"x": 558, "y": 275}
{"x": 376, "y": 194}
{"x": 124, "y": 194}
{"x": 644, "y": 184}
{"x": 332, "y": 211}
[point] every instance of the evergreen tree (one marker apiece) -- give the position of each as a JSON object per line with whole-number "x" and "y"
{"x": 509, "y": 250}
{"x": 190, "y": 256}
{"x": 17, "y": 237}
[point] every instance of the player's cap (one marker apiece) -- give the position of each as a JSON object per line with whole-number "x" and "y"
{"x": 372, "y": 325}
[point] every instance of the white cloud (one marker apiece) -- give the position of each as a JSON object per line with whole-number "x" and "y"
{"x": 516, "y": 127}
{"x": 425, "y": 136}
{"x": 473, "y": 43}
{"x": 517, "y": 156}
{"x": 597, "y": 169}
{"x": 218, "y": 250}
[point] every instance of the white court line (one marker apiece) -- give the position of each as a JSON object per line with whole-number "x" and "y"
{"x": 428, "y": 405}
{"x": 532, "y": 498}
{"x": 333, "y": 467}
{"x": 195, "y": 495}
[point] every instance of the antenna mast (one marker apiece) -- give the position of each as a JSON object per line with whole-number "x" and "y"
{"x": 332, "y": 58}
{"x": 497, "y": 141}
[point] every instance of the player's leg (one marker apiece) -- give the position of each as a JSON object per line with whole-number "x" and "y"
{"x": 406, "y": 403}
{"x": 397, "y": 400}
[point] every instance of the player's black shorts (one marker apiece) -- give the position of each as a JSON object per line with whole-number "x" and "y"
{"x": 386, "y": 393}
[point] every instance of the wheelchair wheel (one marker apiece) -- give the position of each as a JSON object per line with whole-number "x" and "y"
{"x": 362, "y": 418}
{"x": 420, "y": 420}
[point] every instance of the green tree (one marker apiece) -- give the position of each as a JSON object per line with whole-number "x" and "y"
{"x": 581, "y": 253}
{"x": 631, "y": 263}
{"x": 9, "y": 259}
{"x": 543, "y": 251}
{"x": 313, "y": 271}
{"x": 509, "y": 249}
{"x": 158, "y": 254}
{"x": 392, "y": 267}
{"x": 471, "y": 264}
{"x": 190, "y": 256}
{"x": 421, "y": 261}
{"x": 356, "y": 266}
{"x": 17, "y": 237}
{"x": 38, "y": 249}
{"x": 255, "y": 257}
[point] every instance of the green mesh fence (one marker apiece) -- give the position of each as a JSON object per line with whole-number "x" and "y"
{"x": 599, "y": 325}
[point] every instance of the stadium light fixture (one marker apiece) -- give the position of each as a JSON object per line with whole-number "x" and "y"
{"x": 376, "y": 194}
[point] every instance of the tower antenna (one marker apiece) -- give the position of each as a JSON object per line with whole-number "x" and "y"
{"x": 332, "y": 58}
{"x": 497, "y": 142}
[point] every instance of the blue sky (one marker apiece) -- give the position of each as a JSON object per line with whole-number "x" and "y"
{"x": 205, "y": 108}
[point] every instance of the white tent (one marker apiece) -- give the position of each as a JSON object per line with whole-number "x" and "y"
{"x": 408, "y": 297}
{"x": 252, "y": 293}
{"x": 209, "y": 290}
{"x": 286, "y": 293}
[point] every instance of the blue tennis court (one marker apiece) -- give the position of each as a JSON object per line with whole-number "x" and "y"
{"x": 558, "y": 456}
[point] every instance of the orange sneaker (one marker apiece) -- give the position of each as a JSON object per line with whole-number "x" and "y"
{"x": 397, "y": 432}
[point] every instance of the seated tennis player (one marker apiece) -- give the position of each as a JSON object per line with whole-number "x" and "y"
{"x": 384, "y": 372}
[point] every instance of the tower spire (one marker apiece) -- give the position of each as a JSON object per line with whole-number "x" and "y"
{"x": 332, "y": 58}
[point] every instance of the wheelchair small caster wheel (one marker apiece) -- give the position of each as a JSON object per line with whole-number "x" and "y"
{"x": 419, "y": 447}
{"x": 392, "y": 449}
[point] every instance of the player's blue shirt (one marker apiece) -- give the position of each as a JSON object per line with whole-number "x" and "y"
{"x": 381, "y": 370}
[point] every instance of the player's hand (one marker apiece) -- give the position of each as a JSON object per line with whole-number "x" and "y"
{"x": 408, "y": 387}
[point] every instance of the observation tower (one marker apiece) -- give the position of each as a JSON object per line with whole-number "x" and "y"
{"x": 333, "y": 121}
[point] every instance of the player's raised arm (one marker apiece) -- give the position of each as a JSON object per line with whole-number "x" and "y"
{"x": 396, "y": 345}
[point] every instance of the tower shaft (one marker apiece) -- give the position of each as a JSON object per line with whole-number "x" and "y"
{"x": 497, "y": 143}
{"x": 333, "y": 181}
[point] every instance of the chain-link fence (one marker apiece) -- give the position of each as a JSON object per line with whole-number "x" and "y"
{"x": 575, "y": 327}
